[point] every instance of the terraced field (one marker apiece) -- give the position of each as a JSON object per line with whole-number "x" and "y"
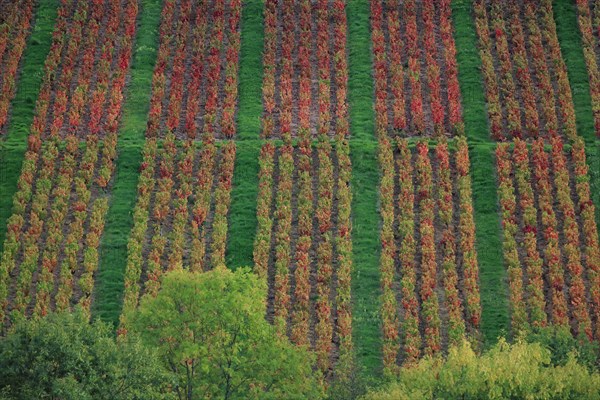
{"x": 402, "y": 174}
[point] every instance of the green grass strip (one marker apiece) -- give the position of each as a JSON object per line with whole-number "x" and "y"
{"x": 242, "y": 212}
{"x": 14, "y": 144}
{"x": 113, "y": 251}
{"x": 360, "y": 80}
{"x": 251, "y": 71}
{"x": 366, "y": 290}
{"x": 569, "y": 36}
{"x": 469, "y": 76}
{"x": 492, "y": 273}
{"x": 366, "y": 320}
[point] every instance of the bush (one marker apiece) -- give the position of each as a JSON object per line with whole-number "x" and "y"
{"x": 519, "y": 371}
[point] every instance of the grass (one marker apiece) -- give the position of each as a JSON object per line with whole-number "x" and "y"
{"x": 492, "y": 274}
{"x": 251, "y": 71}
{"x": 360, "y": 80}
{"x": 14, "y": 144}
{"x": 242, "y": 212}
{"x": 108, "y": 292}
{"x": 569, "y": 36}
{"x": 366, "y": 321}
{"x": 469, "y": 76}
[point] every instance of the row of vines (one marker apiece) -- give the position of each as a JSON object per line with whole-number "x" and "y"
{"x": 51, "y": 248}
{"x": 305, "y": 79}
{"x": 195, "y": 82}
{"x": 429, "y": 269}
{"x": 415, "y": 70}
{"x": 180, "y": 219}
{"x": 303, "y": 245}
{"x": 526, "y": 83}
{"x": 550, "y": 246}
{"x": 15, "y": 23}
{"x": 589, "y": 24}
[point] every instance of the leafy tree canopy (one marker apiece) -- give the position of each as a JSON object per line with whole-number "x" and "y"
{"x": 519, "y": 371}
{"x": 64, "y": 356}
{"x": 211, "y": 333}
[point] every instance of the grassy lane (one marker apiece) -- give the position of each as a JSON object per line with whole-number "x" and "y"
{"x": 360, "y": 80}
{"x": 567, "y": 28}
{"x": 366, "y": 246}
{"x": 242, "y": 212}
{"x": 492, "y": 274}
{"x": 113, "y": 251}
{"x": 14, "y": 144}
{"x": 250, "y": 79}
{"x": 470, "y": 80}
{"x": 493, "y": 287}
{"x": 593, "y": 159}
{"x": 366, "y": 324}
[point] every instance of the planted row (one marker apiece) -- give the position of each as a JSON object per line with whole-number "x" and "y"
{"x": 180, "y": 219}
{"x": 303, "y": 245}
{"x": 556, "y": 253}
{"x": 14, "y": 29}
{"x": 525, "y": 76}
{"x": 194, "y": 87}
{"x": 289, "y": 77}
{"x": 416, "y": 75}
{"x": 429, "y": 270}
{"x": 589, "y": 25}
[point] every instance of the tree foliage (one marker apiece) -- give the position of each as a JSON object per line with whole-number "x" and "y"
{"x": 211, "y": 333}
{"x": 64, "y": 356}
{"x": 518, "y": 371}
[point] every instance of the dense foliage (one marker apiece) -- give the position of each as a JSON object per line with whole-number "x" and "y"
{"x": 517, "y": 371}
{"x": 212, "y": 337}
{"x": 64, "y": 356}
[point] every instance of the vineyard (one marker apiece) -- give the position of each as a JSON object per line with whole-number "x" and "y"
{"x": 415, "y": 70}
{"x": 303, "y": 245}
{"x": 194, "y": 88}
{"x": 305, "y": 79}
{"x": 550, "y": 236}
{"x": 429, "y": 269}
{"x": 53, "y": 236}
{"x": 401, "y": 175}
{"x": 14, "y": 28}
{"x": 526, "y": 82}
{"x": 589, "y": 23}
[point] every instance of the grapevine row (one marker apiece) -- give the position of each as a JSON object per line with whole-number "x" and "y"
{"x": 289, "y": 78}
{"x": 427, "y": 236}
{"x": 547, "y": 251}
{"x": 194, "y": 86}
{"x": 13, "y": 39}
{"x": 305, "y": 255}
{"x": 589, "y": 25}
{"x": 525, "y": 76}
{"x": 412, "y": 99}
{"x": 178, "y": 184}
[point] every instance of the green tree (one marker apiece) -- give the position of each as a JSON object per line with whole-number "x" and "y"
{"x": 562, "y": 345}
{"x": 211, "y": 333}
{"x": 63, "y": 356}
{"x": 519, "y": 371}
